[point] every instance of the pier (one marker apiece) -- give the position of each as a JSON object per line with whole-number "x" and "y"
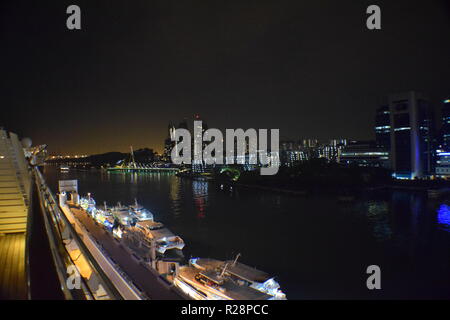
{"x": 141, "y": 169}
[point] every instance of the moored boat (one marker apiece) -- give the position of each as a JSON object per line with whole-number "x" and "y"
{"x": 165, "y": 239}
{"x": 141, "y": 213}
{"x": 214, "y": 285}
{"x": 242, "y": 274}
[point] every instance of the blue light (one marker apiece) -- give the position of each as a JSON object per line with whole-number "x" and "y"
{"x": 443, "y": 217}
{"x": 402, "y": 176}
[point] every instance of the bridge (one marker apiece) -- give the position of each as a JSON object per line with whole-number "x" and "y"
{"x": 133, "y": 166}
{"x": 50, "y": 250}
{"x": 140, "y": 168}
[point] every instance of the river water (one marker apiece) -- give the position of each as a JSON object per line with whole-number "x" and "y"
{"x": 315, "y": 246}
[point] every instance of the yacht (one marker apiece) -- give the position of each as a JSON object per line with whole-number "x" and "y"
{"x": 214, "y": 285}
{"x": 242, "y": 274}
{"x": 88, "y": 204}
{"x": 165, "y": 239}
{"x": 122, "y": 214}
{"x": 140, "y": 212}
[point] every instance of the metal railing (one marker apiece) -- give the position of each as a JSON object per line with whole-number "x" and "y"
{"x": 69, "y": 251}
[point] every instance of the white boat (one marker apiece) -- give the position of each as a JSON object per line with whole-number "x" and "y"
{"x": 165, "y": 239}
{"x": 122, "y": 214}
{"x": 88, "y": 204}
{"x": 214, "y": 285}
{"x": 242, "y": 274}
{"x": 140, "y": 212}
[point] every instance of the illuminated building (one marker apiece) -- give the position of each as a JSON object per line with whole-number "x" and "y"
{"x": 442, "y": 169}
{"x": 169, "y": 143}
{"x": 446, "y": 125}
{"x": 310, "y": 143}
{"x": 199, "y": 166}
{"x": 332, "y": 150}
{"x": 292, "y": 152}
{"x": 443, "y": 164}
{"x": 383, "y": 127}
{"x": 364, "y": 154}
{"x": 410, "y": 122}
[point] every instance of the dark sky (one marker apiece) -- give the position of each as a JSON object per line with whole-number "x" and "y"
{"x": 309, "y": 68}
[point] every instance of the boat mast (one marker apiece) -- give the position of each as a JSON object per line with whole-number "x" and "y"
{"x": 235, "y": 259}
{"x": 223, "y": 270}
{"x": 133, "y": 163}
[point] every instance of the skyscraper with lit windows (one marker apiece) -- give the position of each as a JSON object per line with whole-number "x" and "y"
{"x": 443, "y": 153}
{"x": 410, "y": 135}
{"x": 383, "y": 127}
{"x": 446, "y": 125}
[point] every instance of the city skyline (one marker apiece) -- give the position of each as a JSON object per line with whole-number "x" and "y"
{"x": 239, "y": 150}
{"x": 371, "y": 137}
{"x": 131, "y": 70}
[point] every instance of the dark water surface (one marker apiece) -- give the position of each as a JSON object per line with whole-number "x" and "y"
{"x": 316, "y": 247}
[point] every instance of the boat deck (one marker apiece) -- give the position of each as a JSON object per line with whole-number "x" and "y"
{"x": 247, "y": 273}
{"x": 141, "y": 276}
{"x": 157, "y": 233}
{"x": 239, "y": 270}
{"x": 12, "y": 266}
{"x": 232, "y": 290}
{"x": 208, "y": 263}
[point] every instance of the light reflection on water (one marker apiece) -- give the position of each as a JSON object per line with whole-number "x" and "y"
{"x": 314, "y": 245}
{"x": 443, "y": 217}
{"x": 378, "y": 218}
{"x": 200, "y": 192}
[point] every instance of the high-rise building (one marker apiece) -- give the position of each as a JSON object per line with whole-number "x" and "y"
{"x": 168, "y": 143}
{"x": 443, "y": 153}
{"x": 410, "y": 135}
{"x": 198, "y": 164}
{"x": 332, "y": 150}
{"x": 443, "y": 164}
{"x": 383, "y": 127}
{"x": 291, "y": 153}
{"x": 364, "y": 154}
{"x": 446, "y": 125}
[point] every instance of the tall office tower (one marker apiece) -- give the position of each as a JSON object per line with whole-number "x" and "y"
{"x": 443, "y": 153}
{"x": 383, "y": 127}
{"x": 446, "y": 125}
{"x": 198, "y": 164}
{"x": 169, "y": 143}
{"x": 410, "y": 121}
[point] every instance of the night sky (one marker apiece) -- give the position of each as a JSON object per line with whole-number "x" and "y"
{"x": 310, "y": 68}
